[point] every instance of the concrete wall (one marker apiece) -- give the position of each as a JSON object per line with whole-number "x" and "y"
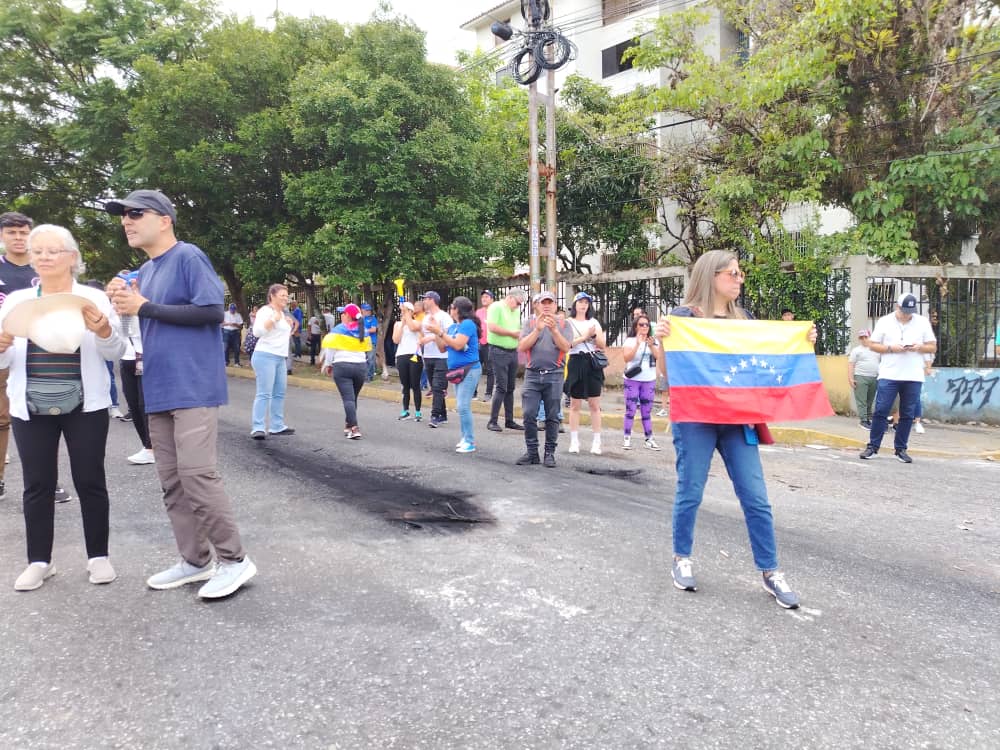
{"x": 833, "y": 370}
{"x": 950, "y": 394}
{"x": 953, "y": 394}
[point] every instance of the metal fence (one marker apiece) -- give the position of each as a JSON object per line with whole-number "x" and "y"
{"x": 961, "y": 302}
{"x": 964, "y": 313}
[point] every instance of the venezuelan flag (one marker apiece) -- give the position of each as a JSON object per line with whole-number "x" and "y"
{"x": 346, "y": 339}
{"x": 742, "y": 371}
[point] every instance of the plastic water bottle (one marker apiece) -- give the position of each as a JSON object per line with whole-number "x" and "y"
{"x": 130, "y": 323}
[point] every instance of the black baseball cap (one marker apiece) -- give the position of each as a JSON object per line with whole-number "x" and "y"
{"x": 151, "y": 199}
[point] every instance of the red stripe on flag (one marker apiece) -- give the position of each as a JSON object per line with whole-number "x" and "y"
{"x": 748, "y": 405}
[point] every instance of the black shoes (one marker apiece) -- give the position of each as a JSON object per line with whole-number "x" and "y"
{"x": 513, "y": 426}
{"x": 550, "y": 460}
{"x": 494, "y": 427}
{"x": 904, "y": 457}
{"x": 868, "y": 452}
{"x": 532, "y": 459}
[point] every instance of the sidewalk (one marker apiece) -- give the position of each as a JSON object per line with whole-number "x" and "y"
{"x": 941, "y": 440}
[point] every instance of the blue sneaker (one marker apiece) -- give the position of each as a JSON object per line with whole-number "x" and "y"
{"x": 776, "y": 586}
{"x": 417, "y": 416}
{"x": 465, "y": 447}
{"x": 435, "y": 422}
{"x": 683, "y": 574}
{"x": 403, "y": 415}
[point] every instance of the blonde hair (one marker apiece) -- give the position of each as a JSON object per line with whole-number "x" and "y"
{"x": 701, "y": 289}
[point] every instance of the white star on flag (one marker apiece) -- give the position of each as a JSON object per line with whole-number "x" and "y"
{"x": 728, "y": 379}
{"x": 743, "y": 364}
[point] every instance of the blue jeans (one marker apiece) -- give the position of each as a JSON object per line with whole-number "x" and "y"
{"x": 463, "y": 395}
{"x": 370, "y": 361}
{"x": 694, "y": 445}
{"x": 909, "y": 398}
{"x": 272, "y": 381}
{"x": 114, "y": 388}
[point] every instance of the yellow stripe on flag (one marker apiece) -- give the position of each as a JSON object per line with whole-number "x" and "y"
{"x": 346, "y": 343}
{"x": 738, "y": 336}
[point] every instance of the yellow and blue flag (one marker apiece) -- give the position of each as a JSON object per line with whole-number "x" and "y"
{"x": 345, "y": 338}
{"x": 742, "y": 371}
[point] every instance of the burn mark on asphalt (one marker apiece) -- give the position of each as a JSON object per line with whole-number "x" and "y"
{"x": 629, "y": 475}
{"x": 387, "y": 494}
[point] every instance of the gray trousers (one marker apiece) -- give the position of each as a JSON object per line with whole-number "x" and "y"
{"x": 200, "y": 511}
{"x": 546, "y": 388}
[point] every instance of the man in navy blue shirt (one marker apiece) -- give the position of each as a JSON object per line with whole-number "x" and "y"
{"x": 371, "y": 328}
{"x": 179, "y": 301}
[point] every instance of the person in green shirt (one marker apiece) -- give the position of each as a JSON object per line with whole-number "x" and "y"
{"x": 503, "y": 330}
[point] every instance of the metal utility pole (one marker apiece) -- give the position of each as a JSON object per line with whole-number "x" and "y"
{"x": 544, "y": 49}
{"x": 533, "y": 193}
{"x": 550, "y": 184}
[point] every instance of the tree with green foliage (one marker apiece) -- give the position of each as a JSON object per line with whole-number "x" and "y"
{"x": 866, "y": 105}
{"x": 601, "y": 167}
{"x": 394, "y": 182}
{"x": 65, "y": 75}
{"x": 212, "y": 131}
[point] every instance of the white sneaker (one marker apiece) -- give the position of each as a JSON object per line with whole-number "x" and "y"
{"x": 115, "y": 412}
{"x": 595, "y": 446}
{"x": 34, "y": 576}
{"x": 228, "y": 577}
{"x": 574, "y": 444}
{"x": 181, "y": 573}
{"x": 144, "y": 456}
{"x": 651, "y": 444}
{"x": 627, "y": 443}
{"x": 918, "y": 427}
{"x": 662, "y": 413}
{"x": 100, "y": 570}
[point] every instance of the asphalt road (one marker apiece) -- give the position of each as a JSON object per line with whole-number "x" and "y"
{"x": 411, "y": 597}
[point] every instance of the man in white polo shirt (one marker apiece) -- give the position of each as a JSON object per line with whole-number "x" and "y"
{"x": 902, "y": 338}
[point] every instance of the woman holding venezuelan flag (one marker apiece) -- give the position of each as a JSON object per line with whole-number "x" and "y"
{"x": 344, "y": 351}
{"x": 716, "y": 282}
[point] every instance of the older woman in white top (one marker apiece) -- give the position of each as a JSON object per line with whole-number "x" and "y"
{"x": 272, "y": 328}
{"x": 61, "y": 391}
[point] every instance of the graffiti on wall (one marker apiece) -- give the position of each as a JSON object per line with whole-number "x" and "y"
{"x": 972, "y": 389}
{"x": 960, "y": 394}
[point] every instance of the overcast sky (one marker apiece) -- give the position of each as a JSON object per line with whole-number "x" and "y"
{"x": 438, "y": 18}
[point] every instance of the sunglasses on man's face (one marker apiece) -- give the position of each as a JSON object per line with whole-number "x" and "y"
{"x": 137, "y": 213}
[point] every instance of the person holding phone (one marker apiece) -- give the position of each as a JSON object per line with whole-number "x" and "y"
{"x": 903, "y": 338}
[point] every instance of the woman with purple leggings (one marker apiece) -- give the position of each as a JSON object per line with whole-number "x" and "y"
{"x": 641, "y": 353}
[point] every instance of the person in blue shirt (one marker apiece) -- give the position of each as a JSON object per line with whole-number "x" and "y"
{"x": 461, "y": 341}
{"x": 370, "y": 323}
{"x": 179, "y": 301}
{"x": 296, "y": 312}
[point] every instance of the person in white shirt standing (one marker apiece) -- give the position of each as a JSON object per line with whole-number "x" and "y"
{"x": 232, "y": 327}
{"x": 902, "y": 338}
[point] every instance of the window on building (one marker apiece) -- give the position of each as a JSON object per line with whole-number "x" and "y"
{"x": 611, "y": 59}
{"x": 743, "y": 46}
{"x": 616, "y": 10}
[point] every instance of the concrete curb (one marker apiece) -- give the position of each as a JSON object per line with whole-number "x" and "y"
{"x": 791, "y": 436}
